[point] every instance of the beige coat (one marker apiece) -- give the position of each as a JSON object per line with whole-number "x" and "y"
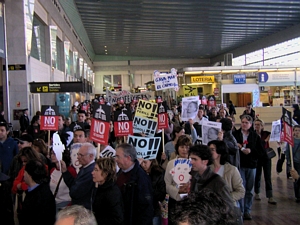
{"x": 233, "y": 180}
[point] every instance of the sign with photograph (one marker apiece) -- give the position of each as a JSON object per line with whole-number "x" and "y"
{"x": 190, "y": 106}
{"x": 287, "y": 126}
{"x": 276, "y": 131}
{"x": 210, "y": 131}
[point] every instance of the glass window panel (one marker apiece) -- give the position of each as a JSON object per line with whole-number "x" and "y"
{"x": 255, "y": 56}
{"x": 239, "y": 61}
{"x": 117, "y": 80}
{"x": 60, "y": 52}
{"x": 38, "y": 47}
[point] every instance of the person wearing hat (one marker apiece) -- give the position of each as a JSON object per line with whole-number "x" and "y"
{"x": 24, "y": 120}
{"x": 296, "y": 115}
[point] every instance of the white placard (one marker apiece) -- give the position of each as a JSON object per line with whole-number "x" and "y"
{"x": 210, "y": 131}
{"x": 190, "y": 106}
{"x": 276, "y": 130}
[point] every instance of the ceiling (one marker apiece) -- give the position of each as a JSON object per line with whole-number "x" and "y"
{"x": 182, "y": 29}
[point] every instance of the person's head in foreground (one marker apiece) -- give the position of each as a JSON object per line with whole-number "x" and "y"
{"x": 75, "y": 215}
{"x": 203, "y": 208}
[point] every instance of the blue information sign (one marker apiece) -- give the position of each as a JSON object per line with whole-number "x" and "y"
{"x": 239, "y": 78}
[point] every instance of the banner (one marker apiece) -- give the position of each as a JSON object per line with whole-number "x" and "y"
{"x": 126, "y": 96}
{"x": 287, "y": 126}
{"x": 210, "y": 131}
{"x": 49, "y": 118}
{"x": 144, "y": 125}
{"x": 123, "y": 123}
{"x": 146, "y": 109}
{"x": 99, "y": 132}
{"x": 146, "y": 147}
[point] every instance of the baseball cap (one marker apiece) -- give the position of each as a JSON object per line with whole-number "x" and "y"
{"x": 25, "y": 137}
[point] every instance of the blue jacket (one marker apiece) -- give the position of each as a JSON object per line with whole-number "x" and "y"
{"x": 8, "y": 149}
{"x": 81, "y": 187}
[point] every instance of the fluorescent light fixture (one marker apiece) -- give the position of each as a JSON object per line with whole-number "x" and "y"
{"x": 254, "y": 70}
{"x": 211, "y": 71}
{"x": 285, "y": 69}
{"x": 230, "y": 71}
{"x": 193, "y": 72}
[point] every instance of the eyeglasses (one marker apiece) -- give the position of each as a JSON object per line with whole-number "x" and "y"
{"x": 81, "y": 155}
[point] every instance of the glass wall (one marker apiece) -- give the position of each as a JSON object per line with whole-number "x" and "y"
{"x": 38, "y": 43}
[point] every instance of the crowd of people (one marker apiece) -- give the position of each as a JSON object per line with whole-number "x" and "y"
{"x": 217, "y": 184}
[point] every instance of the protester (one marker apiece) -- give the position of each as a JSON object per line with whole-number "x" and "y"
{"x": 296, "y": 115}
{"x": 80, "y": 136}
{"x": 81, "y": 187}
{"x": 24, "y": 120}
{"x": 73, "y": 114}
{"x": 34, "y": 129}
{"x": 263, "y": 163}
{"x": 75, "y": 215}
{"x": 8, "y": 148}
{"x": 6, "y": 204}
{"x": 230, "y": 141}
{"x": 174, "y": 190}
{"x": 203, "y": 207}
{"x": 39, "y": 204}
{"x": 156, "y": 174}
{"x": 251, "y": 150}
{"x": 228, "y": 172}
{"x": 232, "y": 111}
{"x": 296, "y": 158}
{"x": 57, "y": 185}
{"x": 135, "y": 186}
{"x": 170, "y": 146}
{"x": 249, "y": 111}
{"x": 107, "y": 199}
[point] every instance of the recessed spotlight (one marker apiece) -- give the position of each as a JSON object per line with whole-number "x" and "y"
{"x": 106, "y": 50}
{"x": 105, "y": 46}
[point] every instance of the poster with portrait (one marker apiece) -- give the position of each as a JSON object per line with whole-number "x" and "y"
{"x": 276, "y": 130}
{"x": 190, "y": 106}
{"x": 181, "y": 171}
{"x": 210, "y": 131}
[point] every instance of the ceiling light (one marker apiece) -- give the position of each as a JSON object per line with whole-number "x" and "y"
{"x": 105, "y": 46}
{"x": 106, "y": 50}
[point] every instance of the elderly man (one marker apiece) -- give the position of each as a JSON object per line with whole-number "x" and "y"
{"x": 135, "y": 186}
{"x": 81, "y": 186}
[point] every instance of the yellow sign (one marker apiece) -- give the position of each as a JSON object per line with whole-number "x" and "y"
{"x": 189, "y": 90}
{"x": 203, "y": 79}
{"x": 146, "y": 109}
{"x": 45, "y": 88}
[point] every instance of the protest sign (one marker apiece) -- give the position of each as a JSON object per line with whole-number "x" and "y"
{"x": 123, "y": 122}
{"x": 146, "y": 109}
{"x": 167, "y": 81}
{"x": 210, "y": 131}
{"x": 144, "y": 125}
{"x": 99, "y": 131}
{"x": 163, "y": 120}
{"x": 190, "y": 106}
{"x": 49, "y": 117}
{"x": 287, "y": 126}
{"x": 211, "y": 101}
{"x": 276, "y": 130}
{"x": 126, "y": 97}
{"x": 181, "y": 171}
{"x": 73, "y": 153}
{"x": 146, "y": 147}
{"x": 108, "y": 151}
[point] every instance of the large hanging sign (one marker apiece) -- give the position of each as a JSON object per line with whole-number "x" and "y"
{"x": 146, "y": 147}
{"x": 126, "y": 96}
{"x": 100, "y": 123}
{"x": 166, "y": 81}
{"x": 49, "y": 117}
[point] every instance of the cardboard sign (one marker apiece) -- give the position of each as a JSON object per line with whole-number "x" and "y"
{"x": 73, "y": 153}
{"x": 190, "y": 106}
{"x": 211, "y": 101}
{"x": 168, "y": 81}
{"x": 287, "y": 126}
{"x": 107, "y": 152}
{"x": 146, "y": 147}
{"x": 143, "y": 125}
{"x": 101, "y": 112}
{"x": 123, "y": 123}
{"x": 181, "y": 171}
{"x": 210, "y": 131}
{"x": 276, "y": 131}
{"x": 146, "y": 109}
{"x": 99, "y": 131}
{"x": 49, "y": 118}
{"x": 114, "y": 98}
{"x": 163, "y": 121}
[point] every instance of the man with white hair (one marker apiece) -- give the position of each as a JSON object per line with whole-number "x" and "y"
{"x": 81, "y": 186}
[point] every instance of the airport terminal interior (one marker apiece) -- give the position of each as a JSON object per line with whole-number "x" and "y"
{"x": 67, "y": 52}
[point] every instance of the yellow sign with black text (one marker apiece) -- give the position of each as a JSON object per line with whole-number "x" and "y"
{"x": 189, "y": 90}
{"x": 202, "y": 79}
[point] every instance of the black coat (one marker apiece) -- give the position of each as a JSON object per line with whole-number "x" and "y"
{"x": 108, "y": 204}
{"x": 38, "y": 207}
{"x": 6, "y": 204}
{"x": 159, "y": 188}
{"x": 137, "y": 197}
{"x": 24, "y": 122}
{"x": 255, "y": 145}
{"x": 296, "y": 116}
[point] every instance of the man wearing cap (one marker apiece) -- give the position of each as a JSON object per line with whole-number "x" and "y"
{"x": 8, "y": 148}
{"x": 24, "y": 120}
{"x": 296, "y": 115}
